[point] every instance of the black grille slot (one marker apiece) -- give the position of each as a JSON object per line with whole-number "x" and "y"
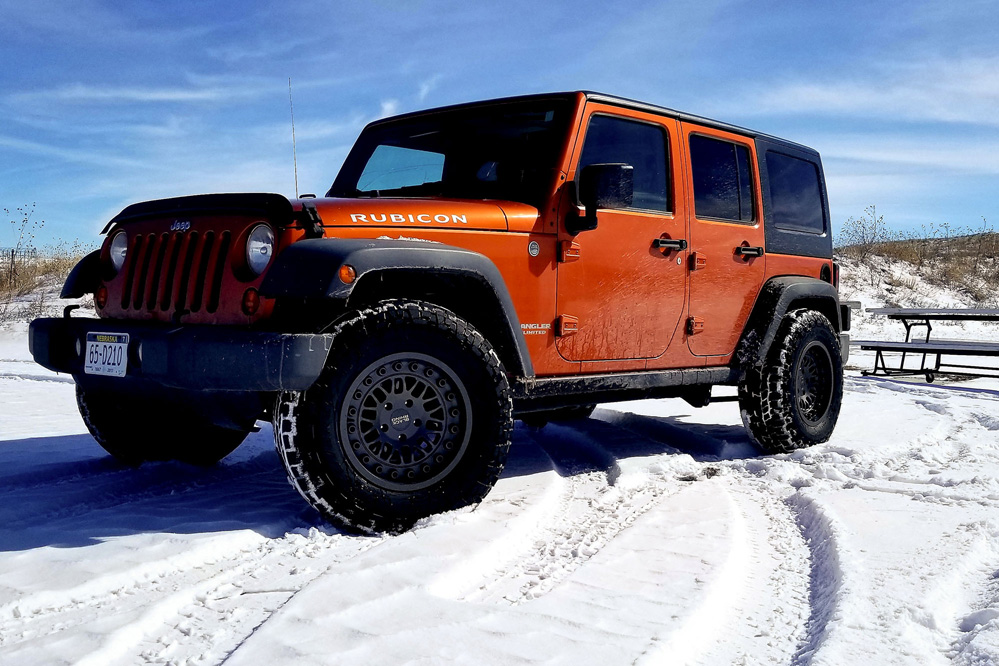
{"x": 143, "y": 269}
{"x": 199, "y": 283}
{"x": 185, "y": 271}
{"x": 153, "y": 296}
{"x": 131, "y": 259}
{"x": 220, "y": 262}
{"x": 176, "y": 242}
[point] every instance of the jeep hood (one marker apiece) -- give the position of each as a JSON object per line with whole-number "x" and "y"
{"x": 425, "y": 213}
{"x": 440, "y": 213}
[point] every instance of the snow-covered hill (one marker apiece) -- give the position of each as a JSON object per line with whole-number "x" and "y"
{"x": 652, "y": 533}
{"x": 882, "y": 282}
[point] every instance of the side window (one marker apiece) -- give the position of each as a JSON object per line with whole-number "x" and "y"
{"x": 611, "y": 140}
{"x": 795, "y": 194}
{"x": 723, "y": 179}
{"x": 393, "y": 167}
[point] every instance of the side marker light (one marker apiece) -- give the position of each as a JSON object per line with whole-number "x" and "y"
{"x": 101, "y": 297}
{"x": 347, "y": 274}
{"x": 251, "y": 302}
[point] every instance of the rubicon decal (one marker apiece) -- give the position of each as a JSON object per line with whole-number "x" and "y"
{"x": 535, "y": 329}
{"x": 399, "y": 218}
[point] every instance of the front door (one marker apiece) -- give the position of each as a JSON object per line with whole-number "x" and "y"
{"x": 726, "y": 215}
{"x": 623, "y": 296}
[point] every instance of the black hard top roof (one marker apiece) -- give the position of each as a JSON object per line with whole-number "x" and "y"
{"x": 603, "y": 98}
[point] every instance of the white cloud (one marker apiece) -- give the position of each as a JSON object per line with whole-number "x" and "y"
{"x": 427, "y": 87}
{"x": 69, "y": 154}
{"x": 959, "y": 90}
{"x": 263, "y": 47}
{"x": 920, "y": 150}
{"x": 390, "y": 107}
{"x": 82, "y": 93}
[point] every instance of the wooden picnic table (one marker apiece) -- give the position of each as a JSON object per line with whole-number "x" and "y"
{"x": 923, "y": 317}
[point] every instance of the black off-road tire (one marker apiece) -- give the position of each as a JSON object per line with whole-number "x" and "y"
{"x": 133, "y": 431}
{"x": 411, "y": 417}
{"x": 793, "y": 399}
{"x": 562, "y": 414}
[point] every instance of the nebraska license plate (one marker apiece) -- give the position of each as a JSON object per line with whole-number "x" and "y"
{"x": 107, "y": 354}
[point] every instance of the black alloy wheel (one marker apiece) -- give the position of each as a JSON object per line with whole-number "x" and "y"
{"x": 407, "y": 421}
{"x": 813, "y": 383}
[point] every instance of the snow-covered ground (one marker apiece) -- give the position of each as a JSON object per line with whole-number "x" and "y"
{"x": 652, "y": 533}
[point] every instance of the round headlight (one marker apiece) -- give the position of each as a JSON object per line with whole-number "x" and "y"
{"x": 119, "y": 247}
{"x": 259, "y": 248}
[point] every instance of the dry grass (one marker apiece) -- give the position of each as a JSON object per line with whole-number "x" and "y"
{"x": 967, "y": 259}
{"x": 30, "y": 278}
{"x": 31, "y": 283}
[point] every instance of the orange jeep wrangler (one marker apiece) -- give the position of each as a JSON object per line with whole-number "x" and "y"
{"x": 517, "y": 258}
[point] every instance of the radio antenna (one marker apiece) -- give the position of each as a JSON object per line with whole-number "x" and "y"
{"x": 294, "y": 148}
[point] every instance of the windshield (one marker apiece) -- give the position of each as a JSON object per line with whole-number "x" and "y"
{"x": 503, "y": 151}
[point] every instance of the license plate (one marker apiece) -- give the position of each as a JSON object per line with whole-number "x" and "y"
{"x": 107, "y": 354}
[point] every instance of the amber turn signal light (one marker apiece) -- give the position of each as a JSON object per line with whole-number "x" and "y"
{"x": 251, "y": 302}
{"x": 101, "y": 297}
{"x": 347, "y": 274}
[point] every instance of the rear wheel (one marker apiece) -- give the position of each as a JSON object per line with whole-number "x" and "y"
{"x": 412, "y": 417}
{"x": 793, "y": 399}
{"x": 133, "y": 431}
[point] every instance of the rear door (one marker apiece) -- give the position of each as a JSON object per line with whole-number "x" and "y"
{"x": 727, "y": 265}
{"x": 624, "y": 296}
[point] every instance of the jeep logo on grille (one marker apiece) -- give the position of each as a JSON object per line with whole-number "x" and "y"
{"x": 180, "y": 225}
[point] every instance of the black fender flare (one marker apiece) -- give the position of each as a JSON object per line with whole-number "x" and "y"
{"x": 778, "y": 296}
{"x": 84, "y": 278}
{"x": 310, "y": 269}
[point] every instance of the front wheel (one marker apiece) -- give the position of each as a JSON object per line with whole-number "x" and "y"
{"x": 793, "y": 399}
{"x": 412, "y": 417}
{"x": 134, "y": 430}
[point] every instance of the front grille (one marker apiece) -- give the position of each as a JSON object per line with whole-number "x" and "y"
{"x": 179, "y": 272}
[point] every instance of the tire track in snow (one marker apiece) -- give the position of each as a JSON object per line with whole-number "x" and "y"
{"x": 171, "y": 609}
{"x": 825, "y": 576}
{"x": 31, "y": 377}
{"x": 210, "y": 621}
{"x": 755, "y": 608}
{"x": 978, "y": 641}
{"x": 593, "y": 501}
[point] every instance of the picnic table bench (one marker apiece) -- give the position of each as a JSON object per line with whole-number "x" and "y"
{"x": 913, "y": 318}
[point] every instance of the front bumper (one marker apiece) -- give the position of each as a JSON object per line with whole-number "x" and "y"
{"x": 206, "y": 358}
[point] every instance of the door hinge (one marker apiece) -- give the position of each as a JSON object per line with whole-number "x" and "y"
{"x": 566, "y": 325}
{"x": 694, "y": 325}
{"x": 568, "y": 251}
{"x": 698, "y": 260}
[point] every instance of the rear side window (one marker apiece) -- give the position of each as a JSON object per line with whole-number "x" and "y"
{"x": 795, "y": 194}
{"x": 723, "y": 181}
{"x": 611, "y": 140}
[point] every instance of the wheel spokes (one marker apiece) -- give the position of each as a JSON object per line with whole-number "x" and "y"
{"x": 405, "y": 421}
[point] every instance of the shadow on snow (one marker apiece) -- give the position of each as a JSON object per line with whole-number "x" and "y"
{"x": 63, "y": 492}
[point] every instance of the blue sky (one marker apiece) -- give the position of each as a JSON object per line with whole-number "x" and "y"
{"x": 105, "y": 103}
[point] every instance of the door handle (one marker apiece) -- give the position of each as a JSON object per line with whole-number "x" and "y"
{"x": 669, "y": 244}
{"x": 744, "y": 251}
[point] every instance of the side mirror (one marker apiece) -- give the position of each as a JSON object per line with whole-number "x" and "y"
{"x": 607, "y": 186}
